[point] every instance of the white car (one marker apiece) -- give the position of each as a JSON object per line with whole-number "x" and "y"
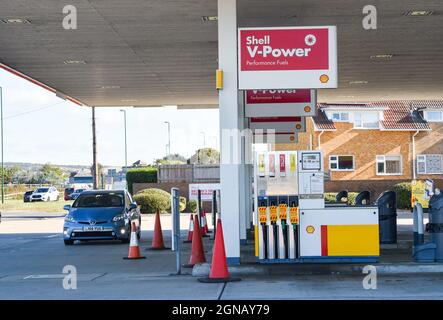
{"x": 45, "y": 194}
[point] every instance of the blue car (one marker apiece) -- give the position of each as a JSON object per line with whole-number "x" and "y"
{"x": 74, "y": 195}
{"x": 101, "y": 215}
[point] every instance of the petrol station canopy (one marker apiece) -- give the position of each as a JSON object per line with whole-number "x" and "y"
{"x": 164, "y": 52}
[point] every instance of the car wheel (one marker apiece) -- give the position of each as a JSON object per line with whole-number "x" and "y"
{"x": 68, "y": 242}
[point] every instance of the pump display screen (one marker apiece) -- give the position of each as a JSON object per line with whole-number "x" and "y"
{"x": 311, "y": 161}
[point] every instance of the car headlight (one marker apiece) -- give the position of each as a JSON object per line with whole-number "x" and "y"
{"x": 69, "y": 218}
{"x": 119, "y": 217}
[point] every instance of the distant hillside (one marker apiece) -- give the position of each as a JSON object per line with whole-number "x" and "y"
{"x": 36, "y": 166}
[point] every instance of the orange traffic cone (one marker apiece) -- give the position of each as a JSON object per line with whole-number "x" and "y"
{"x": 191, "y": 228}
{"x": 219, "y": 267}
{"x": 203, "y": 226}
{"x": 134, "y": 249}
{"x": 157, "y": 241}
{"x": 197, "y": 252}
{"x": 206, "y": 223}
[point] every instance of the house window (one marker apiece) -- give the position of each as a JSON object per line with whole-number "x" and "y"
{"x": 389, "y": 165}
{"x": 366, "y": 120}
{"x": 338, "y": 163}
{"x": 433, "y": 116}
{"x": 339, "y": 116}
{"x": 429, "y": 164}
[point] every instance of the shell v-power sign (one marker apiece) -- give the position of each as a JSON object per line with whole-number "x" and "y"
{"x": 287, "y": 58}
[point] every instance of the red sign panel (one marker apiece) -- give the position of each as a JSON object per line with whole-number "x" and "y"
{"x": 278, "y": 96}
{"x": 284, "y": 49}
{"x": 287, "y": 57}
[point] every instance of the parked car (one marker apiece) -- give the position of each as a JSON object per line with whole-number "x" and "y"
{"x": 27, "y": 196}
{"x": 45, "y": 194}
{"x": 101, "y": 215}
{"x": 67, "y": 193}
{"x": 74, "y": 195}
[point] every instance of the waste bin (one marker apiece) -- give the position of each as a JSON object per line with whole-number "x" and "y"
{"x": 387, "y": 217}
{"x": 362, "y": 198}
{"x": 342, "y": 196}
{"x": 435, "y": 226}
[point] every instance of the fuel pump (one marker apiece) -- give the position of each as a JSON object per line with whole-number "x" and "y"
{"x": 263, "y": 215}
{"x": 282, "y": 227}
{"x": 292, "y": 228}
{"x": 272, "y": 228}
{"x": 294, "y": 224}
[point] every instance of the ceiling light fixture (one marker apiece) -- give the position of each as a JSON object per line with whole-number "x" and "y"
{"x": 74, "y": 62}
{"x": 129, "y": 100}
{"x": 358, "y": 82}
{"x": 384, "y": 56}
{"x": 15, "y": 21}
{"x": 418, "y": 13}
{"x": 209, "y": 18}
{"x": 110, "y": 87}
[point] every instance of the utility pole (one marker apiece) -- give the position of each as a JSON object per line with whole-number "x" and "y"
{"x": 126, "y": 141}
{"x": 3, "y": 164}
{"x": 94, "y": 153}
{"x": 168, "y": 152}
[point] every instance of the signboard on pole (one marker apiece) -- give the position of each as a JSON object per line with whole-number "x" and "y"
{"x": 280, "y": 103}
{"x": 421, "y": 192}
{"x": 279, "y": 124}
{"x": 287, "y": 57}
{"x": 206, "y": 190}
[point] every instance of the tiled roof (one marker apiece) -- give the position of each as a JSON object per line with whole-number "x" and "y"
{"x": 431, "y": 104}
{"x": 398, "y": 115}
{"x": 322, "y": 122}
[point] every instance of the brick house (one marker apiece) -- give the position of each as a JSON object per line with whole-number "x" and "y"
{"x": 373, "y": 146}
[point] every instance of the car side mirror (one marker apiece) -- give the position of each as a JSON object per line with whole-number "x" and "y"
{"x": 133, "y": 206}
{"x": 67, "y": 207}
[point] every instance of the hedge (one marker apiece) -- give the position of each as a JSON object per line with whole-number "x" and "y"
{"x": 192, "y": 206}
{"x": 152, "y": 199}
{"x": 141, "y": 175}
{"x": 182, "y": 204}
{"x": 330, "y": 197}
{"x": 403, "y": 191}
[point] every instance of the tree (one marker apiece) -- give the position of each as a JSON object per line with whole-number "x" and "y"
{"x": 9, "y": 173}
{"x": 51, "y": 174}
{"x": 206, "y": 156}
{"x": 171, "y": 159}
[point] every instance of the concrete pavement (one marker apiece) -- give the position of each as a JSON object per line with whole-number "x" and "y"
{"x": 32, "y": 260}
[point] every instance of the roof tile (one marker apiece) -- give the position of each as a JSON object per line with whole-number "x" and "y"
{"x": 398, "y": 115}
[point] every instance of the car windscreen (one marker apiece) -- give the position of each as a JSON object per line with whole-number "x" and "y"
{"x": 42, "y": 190}
{"x": 97, "y": 200}
{"x": 69, "y": 190}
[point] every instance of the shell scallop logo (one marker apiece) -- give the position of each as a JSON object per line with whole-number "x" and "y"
{"x": 324, "y": 78}
{"x": 307, "y": 109}
{"x": 291, "y": 138}
{"x": 310, "y": 40}
{"x": 298, "y": 126}
{"x": 310, "y": 229}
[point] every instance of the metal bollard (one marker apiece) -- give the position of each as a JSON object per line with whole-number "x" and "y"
{"x": 214, "y": 212}
{"x": 418, "y": 226}
{"x": 175, "y": 199}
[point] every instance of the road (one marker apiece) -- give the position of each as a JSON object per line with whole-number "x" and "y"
{"x": 32, "y": 258}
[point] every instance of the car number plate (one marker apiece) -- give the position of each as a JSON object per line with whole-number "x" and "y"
{"x": 92, "y": 228}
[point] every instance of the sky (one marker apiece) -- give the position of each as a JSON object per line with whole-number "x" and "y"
{"x": 40, "y": 128}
